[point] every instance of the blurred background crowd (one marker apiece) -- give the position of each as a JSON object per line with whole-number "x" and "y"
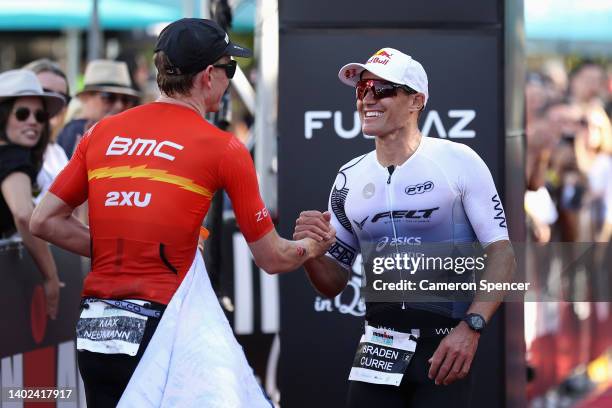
{"x": 569, "y": 147}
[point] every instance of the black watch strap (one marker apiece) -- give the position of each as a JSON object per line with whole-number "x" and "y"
{"x": 475, "y": 321}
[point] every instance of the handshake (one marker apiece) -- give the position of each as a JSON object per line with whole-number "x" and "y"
{"x": 314, "y": 229}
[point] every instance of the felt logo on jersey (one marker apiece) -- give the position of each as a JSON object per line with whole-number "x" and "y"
{"x": 361, "y": 223}
{"x": 368, "y": 190}
{"x": 419, "y": 188}
{"x": 146, "y": 173}
{"x": 120, "y": 146}
{"x": 500, "y": 211}
{"x": 405, "y": 214}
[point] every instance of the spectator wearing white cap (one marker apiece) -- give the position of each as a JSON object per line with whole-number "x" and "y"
{"x": 24, "y": 133}
{"x": 107, "y": 91}
{"x": 411, "y": 190}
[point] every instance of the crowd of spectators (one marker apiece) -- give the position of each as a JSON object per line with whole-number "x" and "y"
{"x": 569, "y": 154}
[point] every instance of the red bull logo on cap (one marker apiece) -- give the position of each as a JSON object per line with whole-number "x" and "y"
{"x": 381, "y": 57}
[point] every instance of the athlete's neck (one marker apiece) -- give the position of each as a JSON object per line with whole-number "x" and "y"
{"x": 397, "y": 147}
{"x": 188, "y": 102}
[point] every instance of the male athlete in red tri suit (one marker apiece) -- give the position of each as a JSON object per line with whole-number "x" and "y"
{"x": 149, "y": 175}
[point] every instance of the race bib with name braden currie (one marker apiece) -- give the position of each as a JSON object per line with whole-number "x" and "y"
{"x": 108, "y": 330}
{"x": 383, "y": 356}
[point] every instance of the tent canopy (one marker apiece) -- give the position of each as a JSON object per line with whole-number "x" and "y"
{"x": 560, "y": 20}
{"x": 66, "y": 14}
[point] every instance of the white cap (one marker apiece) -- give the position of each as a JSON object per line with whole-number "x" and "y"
{"x": 391, "y": 65}
{"x": 17, "y": 83}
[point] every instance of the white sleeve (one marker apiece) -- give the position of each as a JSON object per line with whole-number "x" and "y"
{"x": 345, "y": 250}
{"x": 598, "y": 175}
{"x": 481, "y": 201}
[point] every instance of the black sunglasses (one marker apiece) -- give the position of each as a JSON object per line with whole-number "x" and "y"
{"x": 113, "y": 97}
{"x": 66, "y": 97}
{"x": 380, "y": 89}
{"x": 230, "y": 68}
{"x": 22, "y": 114}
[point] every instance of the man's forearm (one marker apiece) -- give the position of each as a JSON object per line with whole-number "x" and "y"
{"x": 290, "y": 256}
{"x": 500, "y": 268}
{"x": 327, "y": 277}
{"x": 67, "y": 233}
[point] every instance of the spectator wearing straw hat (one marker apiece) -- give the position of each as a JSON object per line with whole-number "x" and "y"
{"x": 24, "y": 133}
{"x": 108, "y": 90}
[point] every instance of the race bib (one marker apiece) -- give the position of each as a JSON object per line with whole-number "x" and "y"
{"x": 383, "y": 355}
{"x": 105, "y": 329}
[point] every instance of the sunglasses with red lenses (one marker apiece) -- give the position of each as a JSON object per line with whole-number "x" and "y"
{"x": 380, "y": 89}
{"x": 22, "y": 114}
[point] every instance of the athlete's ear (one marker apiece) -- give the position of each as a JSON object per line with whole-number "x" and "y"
{"x": 204, "y": 78}
{"x": 418, "y": 101}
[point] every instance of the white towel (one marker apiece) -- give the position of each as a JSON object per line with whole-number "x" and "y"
{"x": 193, "y": 359}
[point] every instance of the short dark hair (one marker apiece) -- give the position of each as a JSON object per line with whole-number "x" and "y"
{"x": 171, "y": 83}
{"x": 6, "y": 108}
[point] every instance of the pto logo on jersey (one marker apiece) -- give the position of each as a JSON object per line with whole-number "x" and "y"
{"x": 120, "y": 146}
{"x": 420, "y": 188}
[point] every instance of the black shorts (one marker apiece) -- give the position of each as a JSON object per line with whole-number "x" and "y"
{"x": 106, "y": 376}
{"x": 416, "y": 389}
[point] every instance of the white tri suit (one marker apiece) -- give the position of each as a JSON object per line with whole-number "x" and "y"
{"x": 444, "y": 193}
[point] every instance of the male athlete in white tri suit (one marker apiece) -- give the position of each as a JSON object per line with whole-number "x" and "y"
{"x": 410, "y": 191}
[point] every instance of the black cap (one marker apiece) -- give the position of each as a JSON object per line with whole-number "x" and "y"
{"x": 192, "y": 44}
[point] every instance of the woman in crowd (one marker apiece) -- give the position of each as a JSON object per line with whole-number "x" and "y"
{"x": 24, "y": 134}
{"x": 52, "y": 79}
{"x": 594, "y": 156}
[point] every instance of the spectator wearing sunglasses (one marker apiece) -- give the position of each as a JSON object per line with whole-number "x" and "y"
{"x": 149, "y": 175}
{"x": 52, "y": 79}
{"x": 107, "y": 91}
{"x": 24, "y": 133}
{"x": 416, "y": 191}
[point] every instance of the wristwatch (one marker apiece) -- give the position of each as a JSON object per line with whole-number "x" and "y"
{"x": 475, "y": 321}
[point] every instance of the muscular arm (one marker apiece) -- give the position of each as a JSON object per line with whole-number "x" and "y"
{"x": 501, "y": 265}
{"x": 453, "y": 358}
{"x": 327, "y": 277}
{"x": 275, "y": 255}
{"x": 53, "y": 221}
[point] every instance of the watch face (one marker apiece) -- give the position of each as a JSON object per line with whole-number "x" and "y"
{"x": 476, "y": 322}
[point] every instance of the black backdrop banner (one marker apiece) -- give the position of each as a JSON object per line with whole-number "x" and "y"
{"x": 365, "y": 13}
{"x": 319, "y": 132}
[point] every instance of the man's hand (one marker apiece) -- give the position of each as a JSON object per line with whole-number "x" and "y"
{"x": 314, "y": 225}
{"x": 319, "y": 248}
{"x": 52, "y": 293}
{"x": 453, "y": 358}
